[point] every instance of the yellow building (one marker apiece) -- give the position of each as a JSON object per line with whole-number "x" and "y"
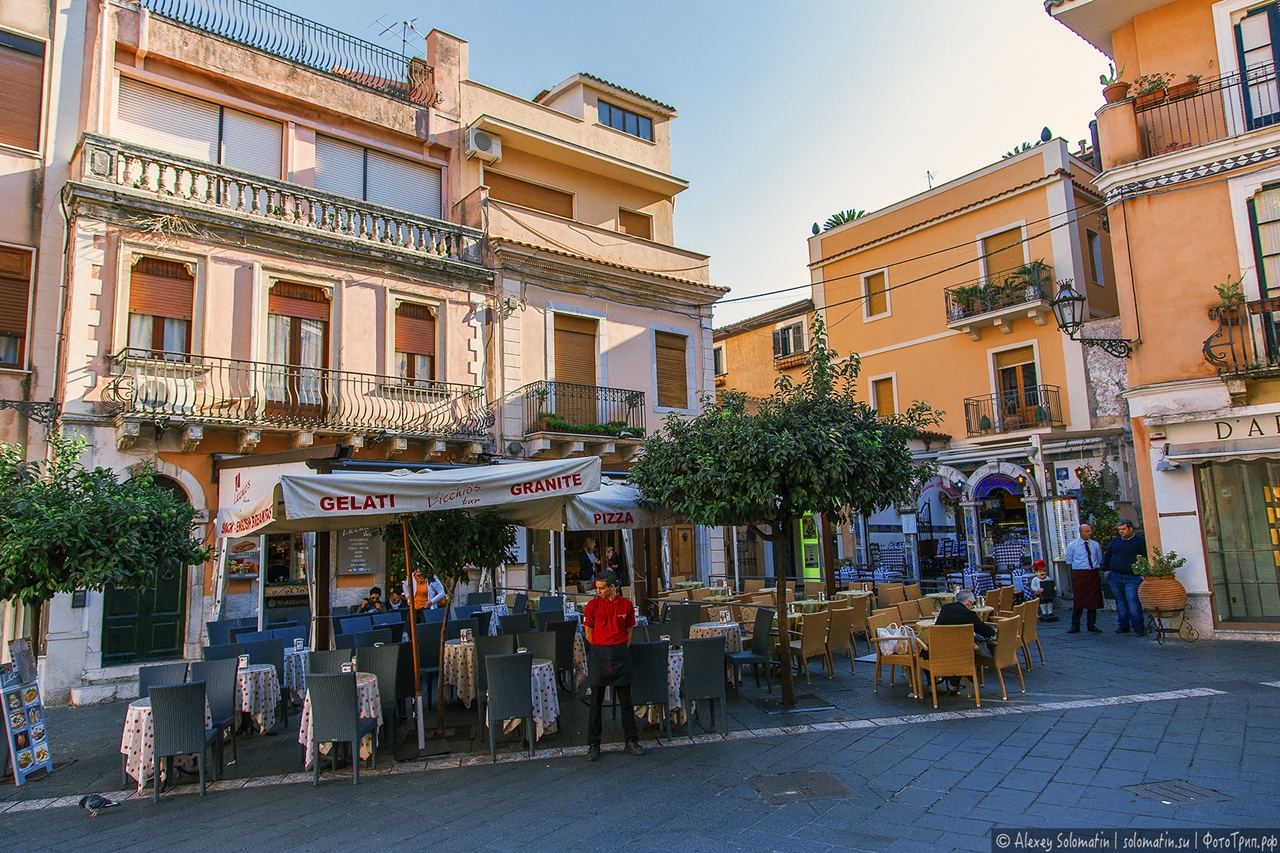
{"x": 1192, "y": 184}
{"x": 946, "y": 297}
{"x": 752, "y": 354}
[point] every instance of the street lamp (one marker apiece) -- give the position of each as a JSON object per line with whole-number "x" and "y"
{"x": 1069, "y": 311}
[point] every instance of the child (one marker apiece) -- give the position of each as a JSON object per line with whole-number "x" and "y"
{"x": 1043, "y": 588}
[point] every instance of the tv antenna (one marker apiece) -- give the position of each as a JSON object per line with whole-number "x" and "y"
{"x": 929, "y": 176}
{"x": 406, "y": 32}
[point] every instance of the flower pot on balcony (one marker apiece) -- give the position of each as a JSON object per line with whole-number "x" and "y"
{"x": 1162, "y": 593}
{"x": 1183, "y": 90}
{"x": 1115, "y": 92}
{"x": 1149, "y": 99}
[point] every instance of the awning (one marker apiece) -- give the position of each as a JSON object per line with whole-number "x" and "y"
{"x": 1223, "y": 451}
{"x": 615, "y": 506}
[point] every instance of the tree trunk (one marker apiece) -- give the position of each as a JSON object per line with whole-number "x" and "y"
{"x": 37, "y": 608}
{"x": 450, "y": 584}
{"x": 781, "y": 542}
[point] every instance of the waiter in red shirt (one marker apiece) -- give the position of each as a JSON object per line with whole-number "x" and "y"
{"x": 608, "y": 621}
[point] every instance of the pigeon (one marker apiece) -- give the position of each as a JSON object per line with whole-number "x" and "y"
{"x": 96, "y": 803}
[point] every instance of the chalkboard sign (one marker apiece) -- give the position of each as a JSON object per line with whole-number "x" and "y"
{"x": 25, "y": 733}
{"x": 360, "y": 551}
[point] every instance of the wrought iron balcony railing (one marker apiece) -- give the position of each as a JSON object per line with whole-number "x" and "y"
{"x": 1195, "y": 113}
{"x": 1031, "y": 408}
{"x": 273, "y": 203}
{"x": 204, "y": 389}
{"x": 1246, "y": 342}
{"x": 1029, "y": 284}
{"x": 295, "y": 39}
{"x": 583, "y": 409}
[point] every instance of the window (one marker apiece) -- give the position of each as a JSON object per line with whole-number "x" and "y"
{"x": 415, "y": 342}
{"x": 1002, "y": 253}
{"x": 526, "y": 194}
{"x": 22, "y": 95}
{"x": 673, "y": 382}
{"x": 575, "y": 365}
{"x": 788, "y": 340}
{"x": 161, "y": 304}
{"x": 625, "y": 120}
{"x": 1019, "y": 393}
{"x": 362, "y": 173}
{"x": 200, "y": 130}
{"x": 875, "y": 287}
{"x": 637, "y": 224}
{"x": 297, "y": 346}
{"x": 1256, "y": 42}
{"x": 882, "y": 396}
{"x": 717, "y": 355}
{"x": 15, "y": 287}
{"x": 1240, "y": 521}
{"x": 1264, "y": 210}
{"x": 1095, "y": 256}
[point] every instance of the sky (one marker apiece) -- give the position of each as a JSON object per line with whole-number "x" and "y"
{"x": 788, "y": 112}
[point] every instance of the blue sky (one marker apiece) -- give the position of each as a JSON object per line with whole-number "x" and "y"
{"x": 788, "y": 111}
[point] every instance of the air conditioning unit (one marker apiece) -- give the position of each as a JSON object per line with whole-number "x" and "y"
{"x": 483, "y": 145}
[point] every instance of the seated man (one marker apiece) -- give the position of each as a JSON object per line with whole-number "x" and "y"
{"x": 960, "y": 612}
{"x": 374, "y": 603}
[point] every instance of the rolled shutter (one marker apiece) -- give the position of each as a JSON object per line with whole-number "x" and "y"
{"x": 167, "y": 121}
{"x": 251, "y": 144}
{"x": 403, "y": 185}
{"x": 673, "y": 382}
{"x": 877, "y": 296}
{"x": 1003, "y": 252}
{"x": 575, "y": 343}
{"x": 415, "y": 329}
{"x": 339, "y": 167}
{"x": 161, "y": 289}
{"x": 1014, "y": 357}
{"x": 636, "y": 224}
{"x": 15, "y": 289}
{"x": 883, "y": 391}
{"x": 290, "y": 299}
{"x": 534, "y": 196}
{"x": 22, "y": 95}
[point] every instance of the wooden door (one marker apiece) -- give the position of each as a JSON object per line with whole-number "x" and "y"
{"x": 683, "y": 555}
{"x": 298, "y": 354}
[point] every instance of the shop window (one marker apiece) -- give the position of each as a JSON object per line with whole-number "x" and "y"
{"x": 1240, "y": 520}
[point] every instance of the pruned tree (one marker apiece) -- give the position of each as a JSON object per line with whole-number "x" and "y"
{"x": 812, "y": 447}
{"x": 65, "y": 527}
{"x": 447, "y": 544}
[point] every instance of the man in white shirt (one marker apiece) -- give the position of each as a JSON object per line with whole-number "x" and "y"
{"x": 1085, "y": 558}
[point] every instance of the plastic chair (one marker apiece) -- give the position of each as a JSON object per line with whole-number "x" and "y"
{"x": 483, "y": 618}
{"x": 288, "y": 635}
{"x": 355, "y": 624}
{"x": 454, "y": 628}
{"x": 345, "y": 642}
{"x": 503, "y": 644}
{"x": 513, "y": 623}
{"x": 564, "y": 632}
{"x": 432, "y": 616}
{"x": 224, "y": 651}
{"x": 479, "y": 598}
{"x": 649, "y": 678}
{"x": 161, "y": 673}
{"x": 463, "y": 612}
{"x": 220, "y": 631}
{"x": 759, "y": 652}
{"x": 383, "y": 662}
{"x": 177, "y": 718}
{"x": 950, "y": 654}
{"x": 335, "y": 718}
{"x": 369, "y": 639}
{"x": 1004, "y": 652}
{"x": 327, "y": 662}
{"x": 220, "y": 688}
{"x": 704, "y": 675}
{"x": 521, "y": 603}
{"x": 509, "y": 695}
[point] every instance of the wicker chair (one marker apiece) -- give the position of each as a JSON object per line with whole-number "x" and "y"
{"x": 486, "y": 647}
{"x": 991, "y": 598}
{"x": 927, "y": 608}
{"x": 327, "y": 662}
{"x": 509, "y": 695}
{"x": 912, "y": 591}
{"x": 161, "y": 673}
{"x": 908, "y": 612}
{"x": 335, "y": 718}
{"x": 951, "y": 654}
{"x": 223, "y": 651}
{"x": 1005, "y": 652}
{"x": 383, "y": 661}
{"x": 649, "y": 678}
{"x": 839, "y": 633}
{"x": 177, "y": 717}
{"x": 1030, "y": 611}
{"x": 1005, "y": 607}
{"x": 811, "y": 642}
{"x": 429, "y": 657}
{"x": 892, "y": 659}
{"x": 704, "y": 676}
{"x": 223, "y": 693}
{"x": 889, "y": 594}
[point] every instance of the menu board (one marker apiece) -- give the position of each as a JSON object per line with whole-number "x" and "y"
{"x": 244, "y": 557}
{"x": 1063, "y": 516}
{"x": 360, "y": 551}
{"x": 24, "y": 724}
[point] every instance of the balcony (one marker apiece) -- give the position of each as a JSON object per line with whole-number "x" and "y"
{"x": 1036, "y": 407}
{"x": 1189, "y": 115}
{"x": 998, "y": 300}
{"x": 1246, "y": 344}
{"x": 572, "y": 420}
{"x": 203, "y": 390}
{"x": 255, "y": 205}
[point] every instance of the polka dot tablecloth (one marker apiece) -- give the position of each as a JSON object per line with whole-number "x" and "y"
{"x": 497, "y": 610}
{"x": 295, "y": 670}
{"x": 138, "y": 744}
{"x": 259, "y": 690}
{"x": 369, "y": 702}
{"x": 731, "y": 631}
{"x": 546, "y": 702}
{"x": 675, "y": 679}
{"x": 459, "y": 669}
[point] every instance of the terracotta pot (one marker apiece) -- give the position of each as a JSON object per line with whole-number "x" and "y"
{"x": 1149, "y": 99}
{"x": 1115, "y": 92}
{"x": 1183, "y": 90}
{"x": 1165, "y": 594}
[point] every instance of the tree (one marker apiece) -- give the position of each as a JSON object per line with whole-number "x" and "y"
{"x": 64, "y": 527}
{"x": 1097, "y": 501}
{"x": 446, "y": 544}
{"x": 840, "y": 217}
{"x": 812, "y": 447}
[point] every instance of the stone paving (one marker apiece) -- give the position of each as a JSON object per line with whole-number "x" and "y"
{"x": 1105, "y": 712}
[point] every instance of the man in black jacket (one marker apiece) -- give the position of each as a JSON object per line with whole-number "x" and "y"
{"x": 960, "y": 612}
{"x": 1118, "y": 562}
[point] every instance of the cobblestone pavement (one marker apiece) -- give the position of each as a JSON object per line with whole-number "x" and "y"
{"x": 1104, "y": 713}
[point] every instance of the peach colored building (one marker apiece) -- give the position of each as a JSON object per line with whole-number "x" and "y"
{"x": 356, "y": 257}
{"x": 1192, "y": 185}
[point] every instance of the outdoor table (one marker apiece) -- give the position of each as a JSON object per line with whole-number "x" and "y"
{"x": 718, "y": 599}
{"x": 922, "y": 630}
{"x": 459, "y": 669}
{"x": 731, "y": 632}
{"x": 684, "y": 585}
{"x": 138, "y": 743}
{"x": 810, "y": 605}
{"x": 369, "y": 702}
{"x": 941, "y": 598}
{"x": 675, "y": 679}
{"x": 497, "y": 610}
{"x": 295, "y": 669}
{"x": 546, "y": 701}
{"x": 986, "y": 614}
{"x": 259, "y": 693}
{"x": 858, "y": 598}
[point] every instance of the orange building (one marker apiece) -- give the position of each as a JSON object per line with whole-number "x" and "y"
{"x": 752, "y": 354}
{"x": 1192, "y": 183}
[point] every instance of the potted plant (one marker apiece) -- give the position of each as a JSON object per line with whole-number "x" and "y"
{"x": 1160, "y": 590}
{"x": 1152, "y": 89}
{"x": 1186, "y": 88}
{"x": 1230, "y": 299}
{"x": 1113, "y": 88}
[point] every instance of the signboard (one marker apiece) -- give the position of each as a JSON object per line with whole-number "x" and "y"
{"x": 360, "y": 551}
{"x": 1063, "y": 516}
{"x": 25, "y": 734}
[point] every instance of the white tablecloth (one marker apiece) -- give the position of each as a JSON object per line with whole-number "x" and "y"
{"x": 259, "y": 691}
{"x": 731, "y": 631}
{"x": 370, "y": 704}
{"x": 295, "y": 670}
{"x": 138, "y": 743}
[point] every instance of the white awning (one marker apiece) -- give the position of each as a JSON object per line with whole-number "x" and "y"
{"x": 615, "y": 506}
{"x": 1223, "y": 451}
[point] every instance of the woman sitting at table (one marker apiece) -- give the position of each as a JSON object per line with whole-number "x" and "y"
{"x": 960, "y": 612}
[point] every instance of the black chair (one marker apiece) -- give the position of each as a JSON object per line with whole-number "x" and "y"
{"x": 564, "y": 633}
{"x": 503, "y": 644}
{"x": 393, "y": 622}
{"x": 432, "y": 616}
{"x": 339, "y": 612}
{"x": 759, "y": 653}
{"x": 327, "y": 662}
{"x": 541, "y": 644}
{"x": 465, "y": 611}
{"x": 510, "y": 696}
{"x": 161, "y": 673}
{"x": 345, "y": 642}
{"x": 278, "y": 623}
{"x": 288, "y": 635}
{"x": 382, "y": 661}
{"x": 480, "y": 597}
{"x": 543, "y": 618}
{"x": 514, "y": 623}
{"x": 355, "y": 624}
{"x": 454, "y": 629}
{"x": 177, "y": 718}
{"x": 429, "y": 657}
{"x": 223, "y": 693}
{"x": 335, "y": 718}
{"x": 551, "y": 602}
{"x": 521, "y": 603}
{"x": 254, "y": 636}
{"x": 224, "y": 651}
{"x": 220, "y": 631}
{"x": 271, "y": 652}
{"x": 373, "y": 637}
{"x": 405, "y": 684}
{"x": 685, "y": 614}
{"x": 704, "y": 675}
{"x": 483, "y": 619}
{"x": 649, "y": 678}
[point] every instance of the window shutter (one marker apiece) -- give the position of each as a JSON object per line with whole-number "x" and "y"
{"x": 575, "y": 342}
{"x": 637, "y": 224}
{"x": 1014, "y": 357}
{"x": 797, "y": 339}
{"x": 15, "y": 288}
{"x": 22, "y": 95}
{"x": 339, "y": 167}
{"x": 877, "y": 296}
{"x": 251, "y": 144}
{"x": 398, "y": 183}
{"x": 415, "y": 329}
{"x": 673, "y": 383}
{"x": 290, "y": 299}
{"x": 515, "y": 191}
{"x": 882, "y": 390}
{"x": 779, "y": 343}
{"x": 167, "y": 121}
{"x": 161, "y": 289}
{"x": 1003, "y": 252}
